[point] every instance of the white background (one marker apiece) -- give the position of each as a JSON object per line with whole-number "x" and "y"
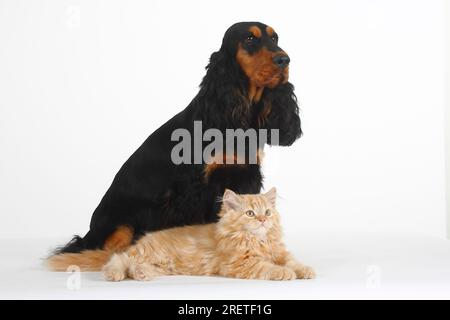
{"x": 447, "y": 114}
{"x": 83, "y": 83}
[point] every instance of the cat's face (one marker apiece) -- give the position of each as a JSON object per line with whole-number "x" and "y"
{"x": 255, "y": 214}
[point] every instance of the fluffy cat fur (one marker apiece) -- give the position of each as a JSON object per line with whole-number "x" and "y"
{"x": 245, "y": 243}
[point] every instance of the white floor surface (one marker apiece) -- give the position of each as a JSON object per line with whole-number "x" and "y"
{"x": 361, "y": 266}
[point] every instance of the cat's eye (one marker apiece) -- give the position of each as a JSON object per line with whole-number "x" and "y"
{"x": 250, "y": 213}
{"x": 268, "y": 212}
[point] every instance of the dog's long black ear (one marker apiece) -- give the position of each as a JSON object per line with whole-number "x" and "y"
{"x": 222, "y": 97}
{"x": 282, "y": 114}
{"x": 217, "y": 64}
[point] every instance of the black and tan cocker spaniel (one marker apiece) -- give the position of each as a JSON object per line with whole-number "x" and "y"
{"x": 246, "y": 86}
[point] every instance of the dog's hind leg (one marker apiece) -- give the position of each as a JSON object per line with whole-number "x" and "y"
{"x": 120, "y": 239}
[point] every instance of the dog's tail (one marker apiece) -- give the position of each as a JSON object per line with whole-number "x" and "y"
{"x": 88, "y": 260}
{"x": 76, "y": 245}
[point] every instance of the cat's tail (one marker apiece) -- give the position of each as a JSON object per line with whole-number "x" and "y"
{"x": 88, "y": 260}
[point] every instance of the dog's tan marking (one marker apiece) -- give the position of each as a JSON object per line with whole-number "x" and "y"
{"x": 120, "y": 239}
{"x": 222, "y": 160}
{"x": 256, "y": 31}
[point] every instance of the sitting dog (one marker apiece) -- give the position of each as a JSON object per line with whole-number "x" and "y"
{"x": 245, "y": 87}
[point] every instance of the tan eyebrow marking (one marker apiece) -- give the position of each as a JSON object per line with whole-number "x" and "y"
{"x": 255, "y": 31}
{"x": 269, "y": 31}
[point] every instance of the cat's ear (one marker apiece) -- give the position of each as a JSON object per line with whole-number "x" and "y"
{"x": 271, "y": 195}
{"x": 231, "y": 201}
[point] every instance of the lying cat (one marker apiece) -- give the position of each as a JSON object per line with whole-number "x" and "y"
{"x": 245, "y": 243}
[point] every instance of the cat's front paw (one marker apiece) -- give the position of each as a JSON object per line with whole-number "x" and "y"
{"x": 304, "y": 272}
{"x": 142, "y": 273}
{"x": 280, "y": 274}
{"x": 113, "y": 274}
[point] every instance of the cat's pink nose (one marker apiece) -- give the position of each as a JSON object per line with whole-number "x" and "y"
{"x": 261, "y": 218}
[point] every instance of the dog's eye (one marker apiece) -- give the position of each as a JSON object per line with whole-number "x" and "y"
{"x": 268, "y": 212}
{"x": 250, "y": 213}
{"x": 250, "y": 39}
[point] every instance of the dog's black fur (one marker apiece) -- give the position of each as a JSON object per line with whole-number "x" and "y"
{"x": 151, "y": 193}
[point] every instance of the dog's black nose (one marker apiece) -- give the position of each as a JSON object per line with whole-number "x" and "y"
{"x": 282, "y": 61}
